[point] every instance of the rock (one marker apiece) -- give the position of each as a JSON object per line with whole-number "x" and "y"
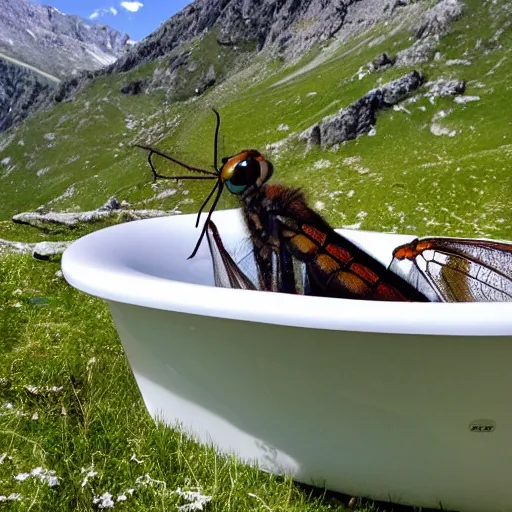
{"x": 45, "y": 250}
{"x": 71, "y": 220}
{"x": 438, "y": 19}
{"x": 57, "y": 43}
{"x": 136, "y": 87}
{"x": 207, "y": 81}
{"x": 419, "y": 53}
{"x": 381, "y": 62}
{"x": 466, "y": 99}
{"x": 111, "y": 204}
{"x": 445, "y": 87}
{"x": 21, "y": 92}
{"x": 360, "y": 117}
{"x": 41, "y": 250}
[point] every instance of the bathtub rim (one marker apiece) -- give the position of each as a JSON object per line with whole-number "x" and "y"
{"x": 127, "y": 285}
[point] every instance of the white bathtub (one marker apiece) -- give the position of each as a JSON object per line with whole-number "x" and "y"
{"x": 407, "y": 402}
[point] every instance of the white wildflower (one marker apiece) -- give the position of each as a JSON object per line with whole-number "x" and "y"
{"x": 14, "y": 496}
{"x": 90, "y": 474}
{"x": 196, "y": 499}
{"x": 104, "y": 501}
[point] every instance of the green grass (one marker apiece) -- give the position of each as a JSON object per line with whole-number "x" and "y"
{"x": 92, "y": 150}
{"x": 98, "y": 420}
{"x": 403, "y": 179}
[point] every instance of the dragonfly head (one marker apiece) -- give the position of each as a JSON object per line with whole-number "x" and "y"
{"x": 247, "y": 168}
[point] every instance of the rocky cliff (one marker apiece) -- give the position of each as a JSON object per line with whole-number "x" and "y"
{"x": 39, "y": 47}
{"x": 54, "y": 42}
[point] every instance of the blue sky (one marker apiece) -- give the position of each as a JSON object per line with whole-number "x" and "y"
{"x": 136, "y": 17}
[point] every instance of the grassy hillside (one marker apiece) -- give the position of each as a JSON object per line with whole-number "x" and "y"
{"x": 404, "y": 178}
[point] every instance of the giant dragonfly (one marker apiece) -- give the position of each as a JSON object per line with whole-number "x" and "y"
{"x": 296, "y": 251}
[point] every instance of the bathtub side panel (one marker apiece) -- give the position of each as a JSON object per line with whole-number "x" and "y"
{"x": 417, "y": 420}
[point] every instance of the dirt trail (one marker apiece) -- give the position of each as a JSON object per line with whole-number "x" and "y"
{"x": 32, "y": 68}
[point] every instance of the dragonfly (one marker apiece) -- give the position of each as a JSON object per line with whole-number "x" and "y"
{"x": 296, "y": 251}
{"x": 457, "y": 269}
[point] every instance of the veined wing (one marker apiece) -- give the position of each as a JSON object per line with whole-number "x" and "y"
{"x": 457, "y": 269}
{"x": 269, "y": 270}
{"x": 227, "y": 273}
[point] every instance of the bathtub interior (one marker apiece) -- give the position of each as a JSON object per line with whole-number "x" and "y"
{"x": 160, "y": 247}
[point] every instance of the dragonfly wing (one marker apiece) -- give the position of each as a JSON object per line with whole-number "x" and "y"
{"x": 459, "y": 270}
{"x": 410, "y": 272}
{"x": 227, "y": 274}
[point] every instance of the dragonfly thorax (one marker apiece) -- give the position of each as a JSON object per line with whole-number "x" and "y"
{"x": 245, "y": 169}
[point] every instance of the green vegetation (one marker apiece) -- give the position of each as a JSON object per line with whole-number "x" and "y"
{"x": 402, "y": 179}
{"x": 94, "y": 420}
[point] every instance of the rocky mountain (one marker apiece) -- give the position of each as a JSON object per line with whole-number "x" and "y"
{"x": 398, "y": 120}
{"x": 40, "y": 46}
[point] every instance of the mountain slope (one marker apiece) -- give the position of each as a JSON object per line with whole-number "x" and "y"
{"x": 57, "y": 43}
{"x": 40, "y": 46}
{"x": 433, "y": 165}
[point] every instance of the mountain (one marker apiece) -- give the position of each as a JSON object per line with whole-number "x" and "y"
{"x": 40, "y": 46}
{"x": 397, "y": 120}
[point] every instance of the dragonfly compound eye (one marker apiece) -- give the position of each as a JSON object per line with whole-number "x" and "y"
{"x": 244, "y": 170}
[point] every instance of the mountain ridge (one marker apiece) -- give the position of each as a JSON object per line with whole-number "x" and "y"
{"x": 40, "y": 47}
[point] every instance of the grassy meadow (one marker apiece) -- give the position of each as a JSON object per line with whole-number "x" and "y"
{"x": 74, "y": 434}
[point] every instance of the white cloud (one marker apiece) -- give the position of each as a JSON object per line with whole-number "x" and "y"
{"x": 132, "y": 6}
{"x": 98, "y": 13}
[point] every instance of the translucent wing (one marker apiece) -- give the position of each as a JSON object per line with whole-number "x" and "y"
{"x": 227, "y": 273}
{"x": 272, "y": 270}
{"x": 457, "y": 269}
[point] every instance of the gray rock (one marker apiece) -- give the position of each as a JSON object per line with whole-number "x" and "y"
{"x": 136, "y": 87}
{"x": 41, "y": 250}
{"x": 445, "y": 87}
{"x": 381, "y": 62}
{"x": 71, "y": 220}
{"x": 438, "y": 19}
{"x": 111, "y": 204}
{"x": 419, "y": 53}
{"x": 45, "y": 250}
{"x": 360, "y": 117}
